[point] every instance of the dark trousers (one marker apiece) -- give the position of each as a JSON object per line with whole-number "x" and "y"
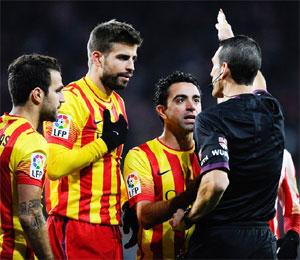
{"x": 232, "y": 242}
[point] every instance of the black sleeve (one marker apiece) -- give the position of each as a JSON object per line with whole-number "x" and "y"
{"x": 211, "y": 144}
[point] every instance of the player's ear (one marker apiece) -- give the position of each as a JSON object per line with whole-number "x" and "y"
{"x": 37, "y": 95}
{"x": 160, "y": 109}
{"x": 97, "y": 58}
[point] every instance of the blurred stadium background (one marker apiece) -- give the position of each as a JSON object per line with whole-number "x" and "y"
{"x": 177, "y": 36}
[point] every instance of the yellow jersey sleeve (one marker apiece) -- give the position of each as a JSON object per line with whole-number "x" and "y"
{"x": 138, "y": 177}
{"x": 65, "y": 154}
{"x": 29, "y": 159}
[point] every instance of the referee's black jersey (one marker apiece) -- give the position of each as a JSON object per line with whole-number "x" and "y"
{"x": 243, "y": 136}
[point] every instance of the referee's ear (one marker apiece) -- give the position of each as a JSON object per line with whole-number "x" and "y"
{"x": 225, "y": 71}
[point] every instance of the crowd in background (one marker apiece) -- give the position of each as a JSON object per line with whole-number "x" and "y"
{"x": 177, "y": 36}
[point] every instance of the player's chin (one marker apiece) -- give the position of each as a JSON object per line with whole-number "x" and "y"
{"x": 189, "y": 127}
{"x": 50, "y": 116}
{"x": 121, "y": 84}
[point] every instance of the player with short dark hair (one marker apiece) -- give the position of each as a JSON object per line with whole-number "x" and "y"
{"x": 35, "y": 87}
{"x": 240, "y": 144}
{"x": 83, "y": 195}
{"x": 156, "y": 171}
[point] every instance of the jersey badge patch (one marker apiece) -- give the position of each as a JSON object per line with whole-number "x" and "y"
{"x": 223, "y": 143}
{"x": 37, "y": 165}
{"x": 133, "y": 185}
{"x": 61, "y": 127}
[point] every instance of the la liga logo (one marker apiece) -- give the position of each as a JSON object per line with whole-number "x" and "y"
{"x": 62, "y": 122}
{"x": 37, "y": 165}
{"x": 61, "y": 127}
{"x": 38, "y": 161}
{"x": 133, "y": 184}
{"x": 132, "y": 181}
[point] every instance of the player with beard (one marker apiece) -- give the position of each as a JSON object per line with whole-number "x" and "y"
{"x": 86, "y": 142}
{"x": 35, "y": 86}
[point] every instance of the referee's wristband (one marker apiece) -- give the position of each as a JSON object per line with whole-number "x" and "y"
{"x": 186, "y": 220}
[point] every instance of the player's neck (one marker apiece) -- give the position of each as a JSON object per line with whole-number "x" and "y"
{"x": 94, "y": 76}
{"x": 27, "y": 113}
{"x": 177, "y": 141}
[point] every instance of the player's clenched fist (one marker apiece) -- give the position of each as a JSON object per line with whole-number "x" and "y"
{"x": 113, "y": 134}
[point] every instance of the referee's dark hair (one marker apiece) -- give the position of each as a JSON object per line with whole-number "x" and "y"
{"x": 162, "y": 86}
{"x": 243, "y": 56}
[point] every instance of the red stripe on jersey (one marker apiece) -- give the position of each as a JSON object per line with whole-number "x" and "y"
{"x": 179, "y": 187}
{"x": 287, "y": 196}
{"x": 118, "y": 197}
{"x": 63, "y": 194}
{"x": 9, "y": 122}
{"x": 122, "y": 106}
{"x": 91, "y": 89}
{"x": 177, "y": 171}
{"x": 195, "y": 165}
{"x": 102, "y": 107}
{"x": 104, "y": 213}
{"x": 156, "y": 242}
{"x": 71, "y": 88}
{"x": 6, "y": 199}
{"x": 114, "y": 112}
{"x": 86, "y": 174}
{"x": 47, "y": 195}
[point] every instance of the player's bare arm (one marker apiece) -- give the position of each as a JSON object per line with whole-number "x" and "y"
{"x": 151, "y": 214}
{"x": 33, "y": 221}
{"x": 211, "y": 190}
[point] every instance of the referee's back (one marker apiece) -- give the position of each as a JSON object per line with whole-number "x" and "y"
{"x": 254, "y": 129}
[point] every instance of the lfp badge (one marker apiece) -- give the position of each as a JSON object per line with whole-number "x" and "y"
{"x": 37, "y": 165}
{"x": 133, "y": 184}
{"x": 61, "y": 127}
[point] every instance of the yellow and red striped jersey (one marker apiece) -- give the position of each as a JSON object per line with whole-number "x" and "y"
{"x": 288, "y": 198}
{"x": 91, "y": 194}
{"x": 23, "y": 153}
{"x": 155, "y": 172}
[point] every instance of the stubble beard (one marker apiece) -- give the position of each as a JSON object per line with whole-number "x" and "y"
{"x": 112, "y": 81}
{"x": 48, "y": 114}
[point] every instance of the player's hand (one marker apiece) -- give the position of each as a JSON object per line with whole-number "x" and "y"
{"x": 113, "y": 134}
{"x": 288, "y": 245}
{"x": 130, "y": 221}
{"x": 223, "y": 27}
{"x": 177, "y": 221}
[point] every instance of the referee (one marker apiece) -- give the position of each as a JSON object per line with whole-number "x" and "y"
{"x": 240, "y": 147}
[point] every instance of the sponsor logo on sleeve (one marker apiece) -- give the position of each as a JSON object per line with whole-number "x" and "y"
{"x": 204, "y": 160}
{"x": 223, "y": 143}
{"x": 220, "y": 152}
{"x": 61, "y": 127}
{"x": 37, "y": 165}
{"x": 133, "y": 185}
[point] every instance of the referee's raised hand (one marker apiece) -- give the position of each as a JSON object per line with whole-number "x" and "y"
{"x": 114, "y": 133}
{"x": 223, "y": 27}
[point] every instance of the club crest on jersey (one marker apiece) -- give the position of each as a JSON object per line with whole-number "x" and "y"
{"x": 133, "y": 185}
{"x": 223, "y": 143}
{"x": 61, "y": 127}
{"x": 37, "y": 165}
